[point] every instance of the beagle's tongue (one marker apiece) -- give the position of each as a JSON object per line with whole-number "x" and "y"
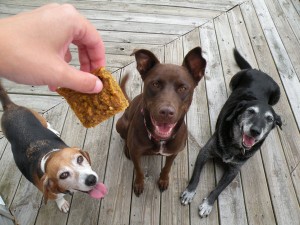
{"x": 99, "y": 191}
{"x": 248, "y": 141}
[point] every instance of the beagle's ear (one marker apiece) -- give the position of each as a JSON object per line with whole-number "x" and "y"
{"x": 145, "y": 60}
{"x": 195, "y": 63}
{"x": 86, "y": 155}
{"x": 48, "y": 185}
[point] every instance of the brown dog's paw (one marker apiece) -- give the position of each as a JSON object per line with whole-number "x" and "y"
{"x": 163, "y": 184}
{"x": 138, "y": 188}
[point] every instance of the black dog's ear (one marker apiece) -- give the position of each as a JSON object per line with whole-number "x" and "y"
{"x": 145, "y": 60}
{"x": 278, "y": 121}
{"x": 195, "y": 63}
{"x": 238, "y": 108}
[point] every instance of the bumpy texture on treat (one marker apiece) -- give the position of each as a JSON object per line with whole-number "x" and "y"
{"x": 92, "y": 109}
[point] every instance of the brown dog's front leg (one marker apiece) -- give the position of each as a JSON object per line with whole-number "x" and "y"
{"x": 163, "y": 182}
{"x": 139, "y": 179}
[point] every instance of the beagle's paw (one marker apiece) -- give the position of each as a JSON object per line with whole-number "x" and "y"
{"x": 187, "y": 197}
{"x": 205, "y": 208}
{"x": 63, "y": 204}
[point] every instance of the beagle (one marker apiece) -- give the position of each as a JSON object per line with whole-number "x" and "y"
{"x": 44, "y": 159}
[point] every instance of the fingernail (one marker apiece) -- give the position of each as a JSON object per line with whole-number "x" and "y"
{"x": 98, "y": 87}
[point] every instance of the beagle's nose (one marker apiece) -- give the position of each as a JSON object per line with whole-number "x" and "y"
{"x": 91, "y": 180}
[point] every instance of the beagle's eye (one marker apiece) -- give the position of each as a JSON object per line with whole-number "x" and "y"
{"x": 64, "y": 175}
{"x": 80, "y": 159}
{"x": 156, "y": 84}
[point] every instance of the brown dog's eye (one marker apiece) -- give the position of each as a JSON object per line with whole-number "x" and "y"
{"x": 182, "y": 89}
{"x": 64, "y": 175}
{"x": 79, "y": 159}
{"x": 156, "y": 84}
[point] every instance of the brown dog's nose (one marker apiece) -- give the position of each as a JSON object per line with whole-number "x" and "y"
{"x": 167, "y": 111}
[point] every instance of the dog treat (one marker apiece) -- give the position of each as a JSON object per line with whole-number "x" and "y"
{"x": 92, "y": 109}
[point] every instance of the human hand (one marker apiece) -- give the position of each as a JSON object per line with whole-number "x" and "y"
{"x": 34, "y": 49}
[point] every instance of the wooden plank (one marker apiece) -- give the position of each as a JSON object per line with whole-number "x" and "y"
{"x": 296, "y": 177}
{"x": 172, "y": 212}
{"x": 14, "y": 88}
{"x": 121, "y": 16}
{"x": 280, "y": 19}
{"x": 139, "y": 38}
{"x": 27, "y": 200}
{"x": 258, "y": 203}
{"x": 9, "y": 176}
{"x": 199, "y": 133}
{"x": 296, "y": 5}
{"x": 287, "y": 73}
{"x": 285, "y": 203}
{"x": 128, "y": 7}
{"x": 38, "y": 103}
{"x": 115, "y": 207}
{"x": 200, "y": 4}
{"x": 231, "y": 200}
{"x": 292, "y": 15}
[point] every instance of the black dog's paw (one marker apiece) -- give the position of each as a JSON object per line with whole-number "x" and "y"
{"x": 205, "y": 208}
{"x": 187, "y": 197}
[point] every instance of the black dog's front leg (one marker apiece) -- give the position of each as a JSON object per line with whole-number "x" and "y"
{"x": 228, "y": 176}
{"x": 203, "y": 156}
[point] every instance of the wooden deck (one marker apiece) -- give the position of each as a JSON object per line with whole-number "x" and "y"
{"x": 266, "y": 192}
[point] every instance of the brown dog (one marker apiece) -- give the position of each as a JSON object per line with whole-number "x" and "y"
{"x": 154, "y": 121}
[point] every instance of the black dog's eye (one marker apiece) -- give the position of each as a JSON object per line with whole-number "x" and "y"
{"x": 270, "y": 119}
{"x": 64, "y": 175}
{"x": 156, "y": 84}
{"x": 251, "y": 111}
{"x": 80, "y": 159}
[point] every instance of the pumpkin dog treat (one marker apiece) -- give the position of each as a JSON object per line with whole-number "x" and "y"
{"x": 92, "y": 109}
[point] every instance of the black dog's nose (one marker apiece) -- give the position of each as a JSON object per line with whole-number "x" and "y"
{"x": 167, "y": 111}
{"x": 255, "y": 131}
{"x": 91, "y": 180}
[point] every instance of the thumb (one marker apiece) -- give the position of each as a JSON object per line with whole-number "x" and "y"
{"x": 81, "y": 81}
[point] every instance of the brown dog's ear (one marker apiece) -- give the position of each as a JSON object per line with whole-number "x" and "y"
{"x": 195, "y": 63}
{"x": 145, "y": 60}
{"x": 86, "y": 155}
{"x": 47, "y": 188}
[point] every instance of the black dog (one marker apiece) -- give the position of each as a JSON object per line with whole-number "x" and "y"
{"x": 242, "y": 126}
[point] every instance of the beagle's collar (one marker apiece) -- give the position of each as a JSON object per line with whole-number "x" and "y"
{"x": 45, "y": 158}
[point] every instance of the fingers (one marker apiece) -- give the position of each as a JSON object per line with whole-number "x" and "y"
{"x": 78, "y": 80}
{"x": 91, "y": 49}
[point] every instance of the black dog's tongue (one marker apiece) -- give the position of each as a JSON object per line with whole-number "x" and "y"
{"x": 248, "y": 142}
